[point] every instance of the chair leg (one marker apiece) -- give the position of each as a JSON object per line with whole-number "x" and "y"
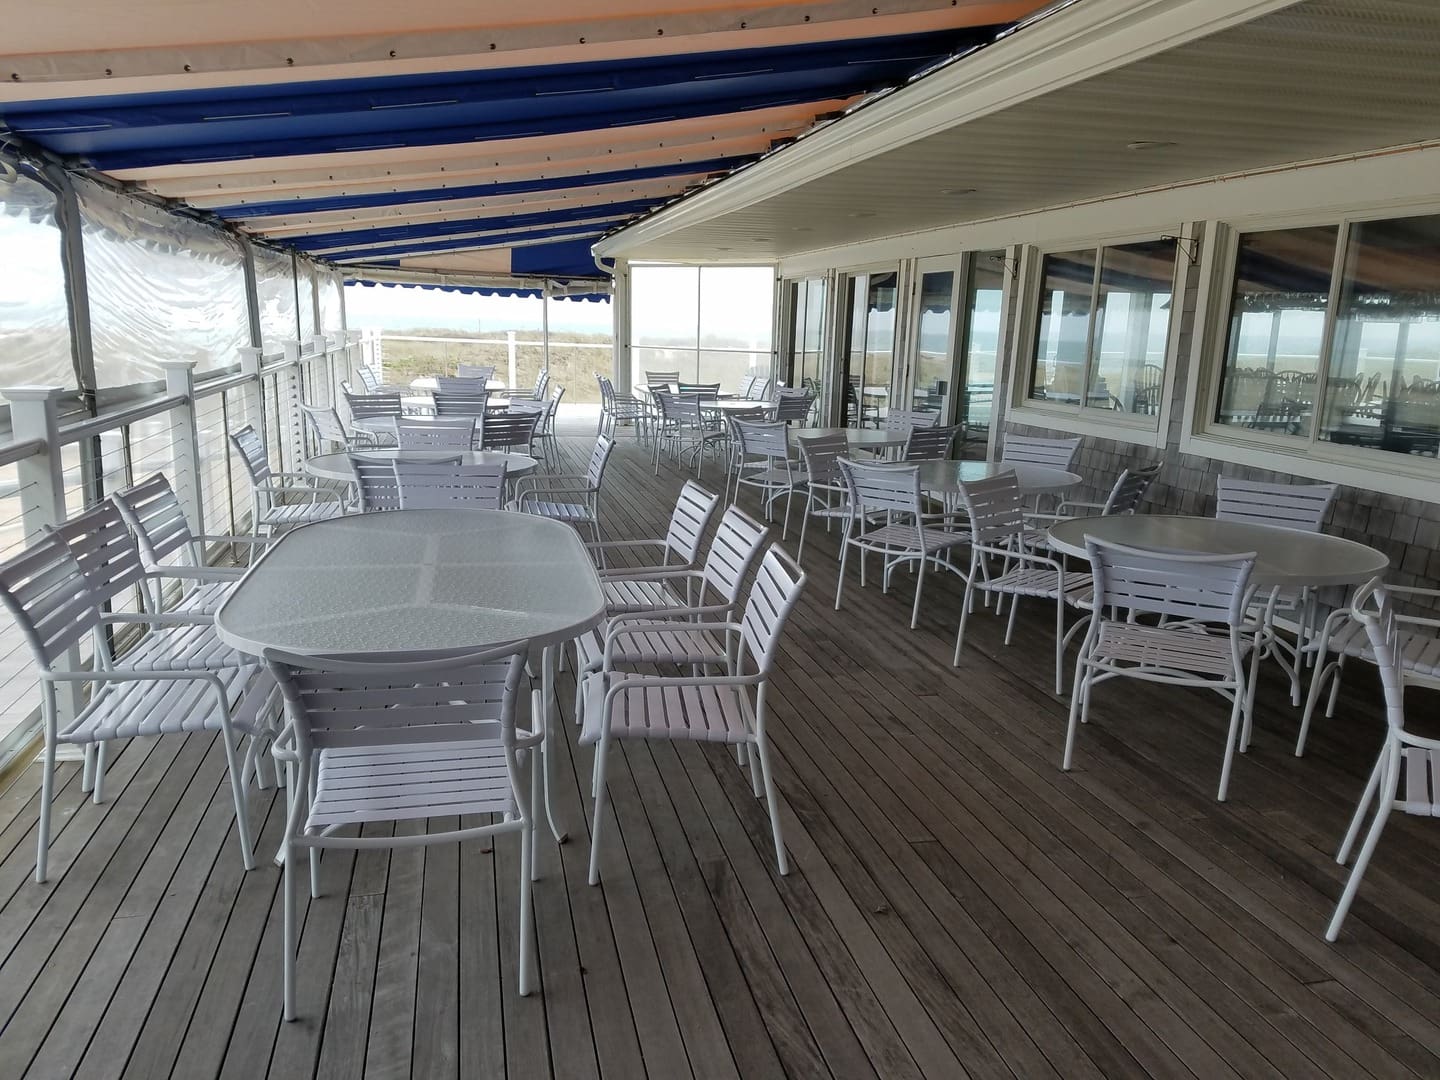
{"x": 1059, "y": 644}
{"x": 98, "y": 779}
{"x": 1010, "y": 622}
{"x": 237, "y": 790}
{"x": 288, "y": 885}
{"x": 1079, "y": 710}
{"x": 1362, "y": 807}
{"x": 1237, "y": 712}
{"x": 804, "y": 521}
{"x": 919, "y": 586}
{"x": 47, "y": 793}
{"x": 840, "y": 578}
{"x": 966, "y": 602}
{"x": 527, "y": 928}
{"x": 600, "y": 790}
{"x": 1318, "y": 677}
{"x": 87, "y": 770}
{"x": 772, "y": 803}
{"x": 1382, "y": 814}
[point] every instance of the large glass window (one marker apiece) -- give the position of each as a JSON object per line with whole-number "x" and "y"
{"x": 935, "y": 323}
{"x": 870, "y": 355}
{"x": 1277, "y": 327}
{"x": 1365, "y": 372}
{"x": 709, "y": 323}
{"x": 34, "y": 320}
{"x": 808, "y": 330}
{"x": 984, "y": 296}
{"x": 161, "y": 287}
{"x": 1103, "y": 325}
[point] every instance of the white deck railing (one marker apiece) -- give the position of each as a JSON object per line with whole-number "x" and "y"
{"x": 52, "y": 469}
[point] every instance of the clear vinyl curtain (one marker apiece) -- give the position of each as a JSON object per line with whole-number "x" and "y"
{"x": 34, "y": 320}
{"x": 161, "y": 287}
{"x": 275, "y": 295}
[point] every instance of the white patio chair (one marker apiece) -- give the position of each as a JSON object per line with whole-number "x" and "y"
{"x": 759, "y": 389}
{"x": 463, "y": 403}
{"x": 826, "y": 494}
{"x": 747, "y": 383}
{"x": 680, "y": 546}
{"x": 793, "y": 406}
{"x": 170, "y": 552}
{"x": 1035, "y": 450}
{"x": 55, "y": 603}
{"x": 403, "y": 741}
{"x": 280, "y": 500}
{"x": 510, "y": 432}
{"x": 483, "y": 372}
{"x": 908, "y": 419}
{"x": 1405, "y": 756}
{"x": 1126, "y": 495}
{"x": 691, "y": 434}
{"x": 329, "y": 433}
{"x": 545, "y": 429}
{"x": 1205, "y": 645}
{"x": 1286, "y": 506}
{"x": 538, "y": 494}
{"x": 373, "y": 407}
{"x": 617, "y": 409}
{"x": 367, "y": 379}
{"x": 931, "y": 443}
{"x": 1341, "y": 637}
{"x": 439, "y": 486}
{"x": 761, "y": 459}
{"x": 375, "y": 485}
{"x": 1001, "y": 563}
{"x": 889, "y": 520}
{"x": 463, "y": 384}
{"x": 706, "y": 391}
{"x": 707, "y": 708}
{"x": 435, "y": 433}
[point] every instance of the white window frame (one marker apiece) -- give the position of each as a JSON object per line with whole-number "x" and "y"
{"x": 776, "y": 303}
{"x": 1310, "y": 457}
{"x": 1080, "y": 419}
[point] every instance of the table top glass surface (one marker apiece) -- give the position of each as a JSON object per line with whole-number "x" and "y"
{"x": 1282, "y": 556}
{"x": 859, "y": 437}
{"x": 415, "y": 581}
{"x": 337, "y": 466}
{"x": 949, "y": 475}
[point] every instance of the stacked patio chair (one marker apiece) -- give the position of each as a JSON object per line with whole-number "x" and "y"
{"x": 545, "y": 429}
{"x": 617, "y": 409}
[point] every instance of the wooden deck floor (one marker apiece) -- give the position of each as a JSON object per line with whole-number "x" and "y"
{"x": 957, "y": 905}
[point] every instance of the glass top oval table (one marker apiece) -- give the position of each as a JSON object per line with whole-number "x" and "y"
{"x": 947, "y": 477}
{"x": 421, "y": 583}
{"x": 337, "y": 466}
{"x": 860, "y": 438}
{"x": 1282, "y": 556}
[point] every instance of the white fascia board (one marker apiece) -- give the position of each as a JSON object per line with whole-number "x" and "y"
{"x": 1069, "y": 46}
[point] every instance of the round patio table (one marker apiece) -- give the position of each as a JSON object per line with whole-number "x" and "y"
{"x": 1284, "y": 557}
{"x": 420, "y": 583}
{"x": 385, "y": 425}
{"x": 337, "y": 466}
{"x": 860, "y": 438}
{"x": 948, "y": 477}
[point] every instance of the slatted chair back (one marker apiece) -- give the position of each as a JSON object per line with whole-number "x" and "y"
{"x": 1287, "y": 506}
{"x": 930, "y": 443}
{"x": 685, "y": 408}
{"x": 483, "y": 372}
{"x": 694, "y": 508}
{"x": 1372, "y": 608}
{"x": 759, "y": 390}
{"x": 1130, "y": 489}
{"x": 369, "y": 406}
{"x": 792, "y": 406}
{"x": 105, "y": 548}
{"x": 368, "y": 379}
{"x": 704, "y": 391}
{"x": 441, "y": 486}
{"x": 461, "y": 404}
{"x": 1035, "y": 450}
{"x": 509, "y": 430}
{"x": 747, "y": 383}
{"x": 45, "y": 592}
{"x": 661, "y": 379}
{"x": 542, "y": 383}
{"x": 607, "y": 390}
{"x": 997, "y": 511}
{"x": 157, "y": 521}
{"x": 435, "y": 432}
{"x": 908, "y": 419}
{"x": 335, "y": 704}
{"x": 325, "y": 426}
{"x": 820, "y": 455}
{"x": 547, "y": 424}
{"x": 773, "y": 596}
{"x": 375, "y": 483}
{"x": 733, "y": 551}
{"x": 599, "y": 458}
{"x": 1184, "y": 585}
{"x": 761, "y": 438}
{"x": 461, "y": 384}
{"x": 253, "y": 456}
{"x": 881, "y": 488}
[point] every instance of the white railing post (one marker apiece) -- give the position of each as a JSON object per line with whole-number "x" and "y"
{"x": 35, "y": 414}
{"x": 250, "y": 361}
{"x": 286, "y": 399}
{"x": 185, "y": 440}
{"x": 510, "y": 349}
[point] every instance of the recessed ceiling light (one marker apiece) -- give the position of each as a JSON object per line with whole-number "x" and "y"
{"x": 1148, "y": 144}
{"x": 957, "y": 191}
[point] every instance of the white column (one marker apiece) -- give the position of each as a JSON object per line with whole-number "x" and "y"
{"x": 185, "y": 440}
{"x": 510, "y": 350}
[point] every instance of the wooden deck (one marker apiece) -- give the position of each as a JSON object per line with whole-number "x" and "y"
{"x": 957, "y": 905}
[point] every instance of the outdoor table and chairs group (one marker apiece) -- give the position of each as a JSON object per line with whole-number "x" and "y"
{"x": 390, "y": 643}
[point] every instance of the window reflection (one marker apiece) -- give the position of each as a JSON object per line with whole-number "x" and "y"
{"x": 932, "y": 359}
{"x": 1068, "y": 283}
{"x": 1131, "y": 326}
{"x": 981, "y": 351}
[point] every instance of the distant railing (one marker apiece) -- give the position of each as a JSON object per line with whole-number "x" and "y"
{"x": 50, "y": 471}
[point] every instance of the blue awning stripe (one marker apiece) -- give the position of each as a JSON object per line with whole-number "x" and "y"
{"x": 475, "y": 191}
{"x": 498, "y": 223}
{"x": 469, "y": 243}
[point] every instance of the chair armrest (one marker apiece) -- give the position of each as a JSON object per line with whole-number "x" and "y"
{"x": 626, "y": 621}
{"x": 158, "y": 618}
{"x": 226, "y": 538}
{"x": 651, "y": 573}
{"x": 619, "y": 685}
{"x": 199, "y": 573}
